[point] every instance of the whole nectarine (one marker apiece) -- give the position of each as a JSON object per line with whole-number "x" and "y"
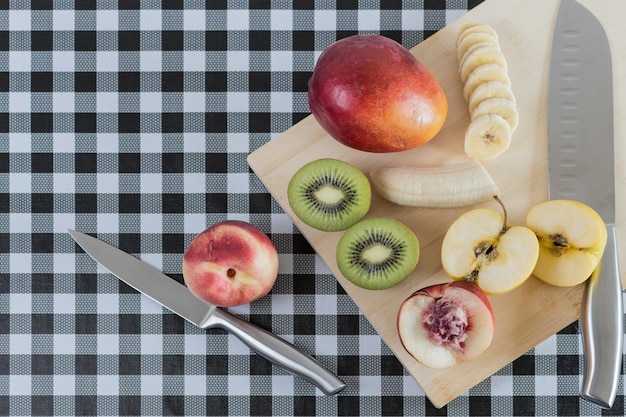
{"x": 230, "y": 263}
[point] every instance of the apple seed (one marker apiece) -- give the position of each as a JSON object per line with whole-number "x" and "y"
{"x": 559, "y": 244}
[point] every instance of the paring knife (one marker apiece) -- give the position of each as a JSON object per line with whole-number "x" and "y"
{"x": 176, "y": 297}
{"x": 581, "y": 161}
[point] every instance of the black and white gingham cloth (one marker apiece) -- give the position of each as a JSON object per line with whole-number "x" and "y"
{"x": 131, "y": 120}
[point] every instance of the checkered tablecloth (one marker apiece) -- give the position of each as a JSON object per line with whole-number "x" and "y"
{"x": 131, "y": 120}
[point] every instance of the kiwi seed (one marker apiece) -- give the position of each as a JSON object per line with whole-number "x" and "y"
{"x": 377, "y": 253}
{"x": 329, "y": 194}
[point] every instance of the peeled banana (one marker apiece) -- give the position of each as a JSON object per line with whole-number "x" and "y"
{"x": 451, "y": 186}
{"x": 487, "y": 89}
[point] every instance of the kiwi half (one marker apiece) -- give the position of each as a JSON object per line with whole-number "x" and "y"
{"x": 329, "y": 194}
{"x": 377, "y": 253}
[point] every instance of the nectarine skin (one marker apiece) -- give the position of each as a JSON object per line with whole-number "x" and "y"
{"x": 231, "y": 263}
{"x": 370, "y": 93}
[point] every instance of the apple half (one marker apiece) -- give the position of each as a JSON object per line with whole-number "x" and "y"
{"x": 572, "y": 237}
{"x": 445, "y": 324}
{"x": 481, "y": 247}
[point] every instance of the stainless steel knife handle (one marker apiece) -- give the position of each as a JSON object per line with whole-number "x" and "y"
{"x": 602, "y": 328}
{"x": 278, "y": 351}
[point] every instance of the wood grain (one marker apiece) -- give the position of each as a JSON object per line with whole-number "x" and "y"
{"x": 531, "y": 313}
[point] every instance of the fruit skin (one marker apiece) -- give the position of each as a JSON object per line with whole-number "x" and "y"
{"x": 481, "y": 247}
{"x": 231, "y": 263}
{"x": 444, "y": 186}
{"x": 370, "y": 93}
{"x": 463, "y": 307}
{"x": 580, "y": 235}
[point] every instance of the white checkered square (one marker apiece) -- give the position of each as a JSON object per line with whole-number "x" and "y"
{"x": 238, "y": 20}
{"x": 20, "y": 102}
{"x": 20, "y": 222}
{"x": 108, "y": 344}
{"x": 107, "y": 20}
{"x": 20, "y": 385}
{"x": 20, "y": 344}
{"x": 108, "y": 385}
{"x": 195, "y": 385}
{"x": 19, "y": 20}
{"x": 64, "y": 385}
{"x": 63, "y": 20}
{"x": 64, "y": 344}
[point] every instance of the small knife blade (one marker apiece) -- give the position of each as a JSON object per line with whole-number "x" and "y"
{"x": 177, "y": 297}
{"x": 581, "y": 167}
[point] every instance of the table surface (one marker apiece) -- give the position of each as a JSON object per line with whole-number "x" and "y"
{"x": 132, "y": 122}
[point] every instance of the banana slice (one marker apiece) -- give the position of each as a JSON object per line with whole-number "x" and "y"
{"x": 450, "y": 186}
{"x": 468, "y": 26}
{"x": 474, "y": 47}
{"x": 471, "y": 39}
{"x": 487, "y": 90}
{"x": 482, "y": 56}
{"x": 483, "y": 74}
{"x": 500, "y": 106}
{"x": 487, "y": 137}
{"x": 476, "y": 28}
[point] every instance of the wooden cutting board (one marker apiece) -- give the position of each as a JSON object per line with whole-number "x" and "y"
{"x": 531, "y": 313}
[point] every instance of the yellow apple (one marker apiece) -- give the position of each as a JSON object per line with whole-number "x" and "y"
{"x": 481, "y": 247}
{"x": 572, "y": 237}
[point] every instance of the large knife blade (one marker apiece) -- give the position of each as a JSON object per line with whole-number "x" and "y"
{"x": 581, "y": 162}
{"x": 176, "y": 297}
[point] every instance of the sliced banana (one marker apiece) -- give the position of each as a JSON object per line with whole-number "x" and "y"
{"x": 474, "y": 47}
{"x": 500, "y": 106}
{"x": 482, "y": 56}
{"x": 476, "y": 28}
{"x": 487, "y": 137}
{"x": 468, "y": 26}
{"x": 487, "y": 90}
{"x": 483, "y": 74}
{"x": 471, "y": 39}
{"x": 450, "y": 186}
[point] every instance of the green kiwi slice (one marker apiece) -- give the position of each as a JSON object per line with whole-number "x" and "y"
{"x": 329, "y": 194}
{"x": 377, "y": 253}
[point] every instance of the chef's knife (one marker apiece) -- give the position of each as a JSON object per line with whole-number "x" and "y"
{"x": 176, "y": 297}
{"x": 581, "y": 161}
